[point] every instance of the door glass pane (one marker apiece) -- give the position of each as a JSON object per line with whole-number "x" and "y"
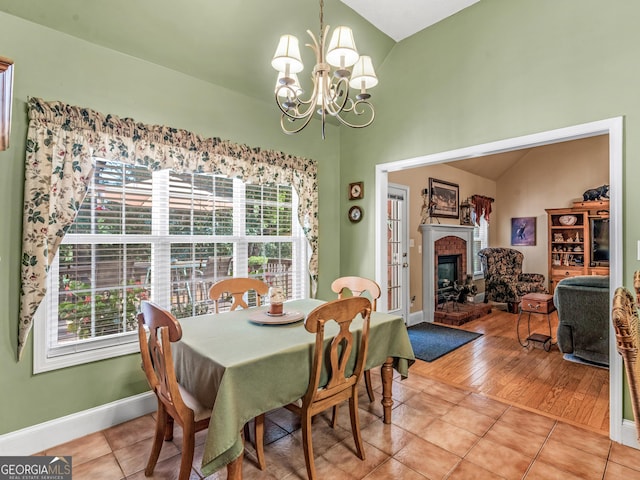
{"x": 394, "y": 253}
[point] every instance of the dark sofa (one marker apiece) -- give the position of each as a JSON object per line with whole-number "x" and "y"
{"x": 583, "y": 314}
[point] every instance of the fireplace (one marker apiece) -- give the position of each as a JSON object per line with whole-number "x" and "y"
{"x": 448, "y": 242}
{"x": 449, "y": 272}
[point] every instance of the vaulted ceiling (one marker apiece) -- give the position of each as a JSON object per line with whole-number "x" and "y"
{"x": 229, "y": 43}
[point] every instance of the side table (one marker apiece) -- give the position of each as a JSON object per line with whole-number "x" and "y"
{"x": 536, "y": 303}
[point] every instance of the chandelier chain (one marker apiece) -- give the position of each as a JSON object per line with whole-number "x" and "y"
{"x": 321, "y": 20}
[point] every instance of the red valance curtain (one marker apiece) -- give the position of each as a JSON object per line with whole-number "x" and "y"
{"x": 482, "y": 207}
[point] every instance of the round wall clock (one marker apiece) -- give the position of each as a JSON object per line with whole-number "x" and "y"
{"x": 356, "y": 190}
{"x": 355, "y": 214}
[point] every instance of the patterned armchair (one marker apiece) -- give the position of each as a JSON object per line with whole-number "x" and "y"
{"x": 504, "y": 280}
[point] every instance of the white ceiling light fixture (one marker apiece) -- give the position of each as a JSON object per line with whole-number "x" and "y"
{"x": 330, "y": 95}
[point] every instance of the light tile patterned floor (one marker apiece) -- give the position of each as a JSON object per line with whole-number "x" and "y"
{"x": 437, "y": 432}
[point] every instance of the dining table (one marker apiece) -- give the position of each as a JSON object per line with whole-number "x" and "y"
{"x": 240, "y": 367}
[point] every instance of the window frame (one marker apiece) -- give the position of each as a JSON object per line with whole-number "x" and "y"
{"x": 49, "y": 357}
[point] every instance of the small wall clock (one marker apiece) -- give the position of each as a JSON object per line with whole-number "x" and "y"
{"x": 356, "y": 190}
{"x": 355, "y": 214}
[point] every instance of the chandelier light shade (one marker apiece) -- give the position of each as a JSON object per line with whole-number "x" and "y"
{"x": 330, "y": 94}
{"x": 363, "y": 76}
{"x": 342, "y": 50}
{"x": 287, "y": 57}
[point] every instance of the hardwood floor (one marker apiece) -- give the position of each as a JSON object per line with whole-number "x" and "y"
{"x": 496, "y": 366}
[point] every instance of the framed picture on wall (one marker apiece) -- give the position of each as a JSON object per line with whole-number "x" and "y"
{"x": 444, "y": 198}
{"x": 523, "y": 231}
{"x": 6, "y": 97}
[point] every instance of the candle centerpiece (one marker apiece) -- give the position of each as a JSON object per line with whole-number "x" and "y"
{"x": 276, "y": 299}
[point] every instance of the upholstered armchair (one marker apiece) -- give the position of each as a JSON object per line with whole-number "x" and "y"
{"x": 503, "y": 277}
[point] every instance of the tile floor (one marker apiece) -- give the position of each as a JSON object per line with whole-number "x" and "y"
{"x": 437, "y": 432}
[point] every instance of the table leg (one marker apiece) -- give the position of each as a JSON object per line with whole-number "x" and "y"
{"x": 386, "y": 371}
{"x": 234, "y": 469}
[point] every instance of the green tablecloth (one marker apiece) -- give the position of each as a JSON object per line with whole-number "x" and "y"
{"x": 241, "y": 369}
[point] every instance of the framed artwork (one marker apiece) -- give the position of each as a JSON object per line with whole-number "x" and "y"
{"x": 444, "y": 198}
{"x": 6, "y": 97}
{"x": 523, "y": 231}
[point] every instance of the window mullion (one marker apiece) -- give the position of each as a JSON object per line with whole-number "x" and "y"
{"x": 94, "y": 266}
{"x": 241, "y": 246}
{"x": 161, "y": 246}
{"x": 299, "y": 277}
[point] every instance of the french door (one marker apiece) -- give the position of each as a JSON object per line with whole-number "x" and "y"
{"x": 397, "y": 251}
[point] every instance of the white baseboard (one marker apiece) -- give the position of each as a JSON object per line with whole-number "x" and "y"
{"x": 629, "y": 435}
{"x": 415, "y": 318}
{"x": 37, "y": 438}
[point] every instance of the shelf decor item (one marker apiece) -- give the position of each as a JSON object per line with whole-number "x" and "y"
{"x": 568, "y": 220}
{"x": 444, "y": 199}
{"x": 523, "y": 231}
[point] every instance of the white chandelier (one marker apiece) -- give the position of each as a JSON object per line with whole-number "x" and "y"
{"x": 330, "y": 95}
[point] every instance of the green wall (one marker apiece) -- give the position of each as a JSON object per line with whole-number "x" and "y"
{"x": 55, "y": 66}
{"x": 497, "y": 70}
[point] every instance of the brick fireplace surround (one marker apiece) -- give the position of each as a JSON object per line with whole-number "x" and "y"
{"x": 442, "y": 239}
{"x": 451, "y": 246}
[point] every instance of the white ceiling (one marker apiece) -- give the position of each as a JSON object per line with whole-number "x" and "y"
{"x": 400, "y": 19}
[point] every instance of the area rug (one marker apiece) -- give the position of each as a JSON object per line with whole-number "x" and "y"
{"x": 431, "y": 341}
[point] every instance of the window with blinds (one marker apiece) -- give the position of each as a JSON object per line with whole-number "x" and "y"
{"x": 166, "y": 237}
{"x": 480, "y": 241}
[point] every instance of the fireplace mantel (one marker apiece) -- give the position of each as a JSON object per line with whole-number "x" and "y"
{"x": 431, "y": 233}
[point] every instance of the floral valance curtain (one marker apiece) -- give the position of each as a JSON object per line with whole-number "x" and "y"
{"x": 61, "y": 141}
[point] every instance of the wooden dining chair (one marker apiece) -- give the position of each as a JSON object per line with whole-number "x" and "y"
{"x": 358, "y": 286}
{"x": 175, "y": 403}
{"x": 624, "y": 316}
{"x": 236, "y": 288}
{"x": 342, "y": 385}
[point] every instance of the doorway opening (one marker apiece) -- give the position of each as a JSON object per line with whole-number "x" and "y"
{"x": 613, "y": 127}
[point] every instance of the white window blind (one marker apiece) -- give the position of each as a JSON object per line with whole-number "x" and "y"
{"x": 166, "y": 237}
{"x": 480, "y": 241}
